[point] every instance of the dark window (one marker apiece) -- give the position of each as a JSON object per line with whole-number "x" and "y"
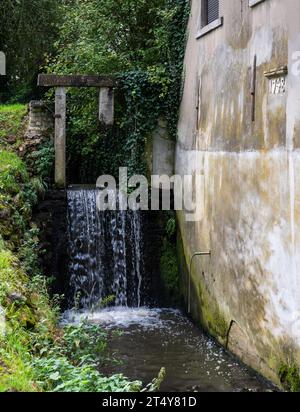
{"x": 210, "y": 11}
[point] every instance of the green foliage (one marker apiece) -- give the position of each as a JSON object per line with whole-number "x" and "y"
{"x": 11, "y": 118}
{"x": 12, "y": 172}
{"x": 27, "y": 33}
{"x": 16, "y": 373}
{"x": 107, "y": 36}
{"x": 140, "y": 42}
{"x": 42, "y": 160}
{"x": 145, "y": 53}
{"x": 34, "y": 355}
{"x": 11, "y": 278}
{"x": 85, "y": 341}
{"x": 170, "y": 272}
{"x": 169, "y": 265}
{"x": 72, "y": 364}
{"x": 28, "y": 252}
{"x": 23, "y": 291}
{"x": 59, "y": 375}
{"x": 18, "y": 195}
{"x": 12, "y": 110}
{"x": 171, "y": 227}
{"x": 103, "y": 303}
{"x": 29, "y": 313}
{"x": 290, "y": 377}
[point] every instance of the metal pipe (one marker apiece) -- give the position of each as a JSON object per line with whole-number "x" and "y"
{"x": 253, "y": 88}
{"x": 190, "y": 276}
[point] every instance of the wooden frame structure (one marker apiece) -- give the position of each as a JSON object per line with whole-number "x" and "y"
{"x": 106, "y": 85}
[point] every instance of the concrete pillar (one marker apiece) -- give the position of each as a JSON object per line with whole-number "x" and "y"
{"x": 106, "y": 106}
{"x": 60, "y": 137}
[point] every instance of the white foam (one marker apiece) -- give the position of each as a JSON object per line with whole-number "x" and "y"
{"x": 119, "y": 317}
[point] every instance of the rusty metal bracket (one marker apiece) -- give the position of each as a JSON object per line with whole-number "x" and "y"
{"x": 190, "y": 276}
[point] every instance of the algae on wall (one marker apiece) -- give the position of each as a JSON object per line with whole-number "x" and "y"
{"x": 204, "y": 307}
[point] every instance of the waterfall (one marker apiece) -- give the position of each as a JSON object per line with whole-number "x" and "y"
{"x": 105, "y": 253}
{"x": 136, "y": 241}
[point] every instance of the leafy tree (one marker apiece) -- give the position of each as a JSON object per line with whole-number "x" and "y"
{"x": 140, "y": 41}
{"x": 107, "y": 35}
{"x": 27, "y": 32}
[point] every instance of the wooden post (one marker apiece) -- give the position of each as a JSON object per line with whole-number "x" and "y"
{"x": 60, "y": 137}
{"x": 106, "y": 106}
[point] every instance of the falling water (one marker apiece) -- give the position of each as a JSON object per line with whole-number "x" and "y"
{"x": 136, "y": 240}
{"x": 105, "y": 252}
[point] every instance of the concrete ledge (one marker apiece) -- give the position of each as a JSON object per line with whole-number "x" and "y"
{"x": 253, "y": 3}
{"x": 210, "y": 27}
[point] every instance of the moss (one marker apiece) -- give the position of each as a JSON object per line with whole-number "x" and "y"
{"x": 24, "y": 300}
{"x": 12, "y": 279}
{"x": 218, "y": 326}
{"x": 18, "y": 195}
{"x": 11, "y": 117}
{"x": 12, "y": 172}
{"x": 28, "y": 314}
{"x": 16, "y": 374}
{"x": 290, "y": 377}
{"x": 170, "y": 273}
{"x": 204, "y": 306}
{"x": 211, "y": 316}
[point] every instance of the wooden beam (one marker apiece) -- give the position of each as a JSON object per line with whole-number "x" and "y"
{"x": 53, "y": 80}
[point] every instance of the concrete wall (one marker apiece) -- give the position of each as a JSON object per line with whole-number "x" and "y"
{"x": 163, "y": 151}
{"x": 251, "y": 174}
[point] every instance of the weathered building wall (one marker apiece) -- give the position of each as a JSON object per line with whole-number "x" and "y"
{"x": 251, "y": 174}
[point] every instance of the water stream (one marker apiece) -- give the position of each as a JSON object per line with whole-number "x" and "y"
{"x": 107, "y": 258}
{"x": 105, "y": 253}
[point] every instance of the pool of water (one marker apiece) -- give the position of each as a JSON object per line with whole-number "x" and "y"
{"x": 156, "y": 338}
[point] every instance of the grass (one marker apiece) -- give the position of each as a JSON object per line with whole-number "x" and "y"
{"x": 33, "y": 313}
{"x": 11, "y": 118}
{"x": 16, "y": 373}
{"x": 15, "y": 193}
{"x": 13, "y": 108}
{"x": 12, "y": 172}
